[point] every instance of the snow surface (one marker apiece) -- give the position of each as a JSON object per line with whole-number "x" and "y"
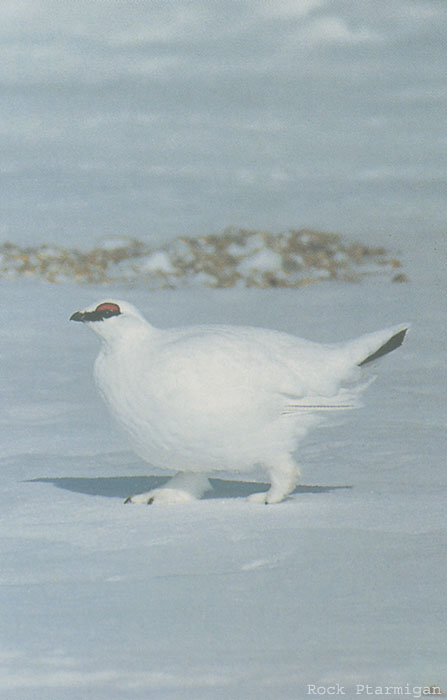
{"x": 221, "y": 599}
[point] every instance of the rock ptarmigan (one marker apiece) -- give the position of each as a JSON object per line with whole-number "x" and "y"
{"x": 202, "y": 399}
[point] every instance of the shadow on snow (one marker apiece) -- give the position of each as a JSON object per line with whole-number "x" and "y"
{"x": 124, "y": 486}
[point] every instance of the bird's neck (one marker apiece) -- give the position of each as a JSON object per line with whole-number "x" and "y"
{"x": 125, "y": 344}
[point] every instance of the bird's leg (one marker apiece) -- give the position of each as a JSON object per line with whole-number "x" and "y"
{"x": 183, "y": 487}
{"x": 284, "y": 475}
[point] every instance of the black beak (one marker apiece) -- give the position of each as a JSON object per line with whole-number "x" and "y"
{"x": 89, "y": 315}
{"x": 78, "y": 316}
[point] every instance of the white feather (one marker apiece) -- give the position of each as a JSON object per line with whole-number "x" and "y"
{"x": 202, "y": 399}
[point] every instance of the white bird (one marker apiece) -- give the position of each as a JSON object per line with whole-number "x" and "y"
{"x": 207, "y": 398}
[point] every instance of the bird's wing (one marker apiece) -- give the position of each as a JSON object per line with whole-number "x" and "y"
{"x": 346, "y": 398}
{"x": 240, "y": 364}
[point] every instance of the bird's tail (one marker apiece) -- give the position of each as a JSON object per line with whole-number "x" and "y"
{"x": 391, "y": 344}
{"x": 348, "y": 357}
{"x": 372, "y": 346}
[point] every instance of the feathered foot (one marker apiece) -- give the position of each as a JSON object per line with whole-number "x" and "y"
{"x": 283, "y": 478}
{"x": 184, "y": 487}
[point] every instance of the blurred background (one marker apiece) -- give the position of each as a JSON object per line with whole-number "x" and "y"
{"x": 156, "y": 119}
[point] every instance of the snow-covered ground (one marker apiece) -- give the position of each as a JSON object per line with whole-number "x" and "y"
{"x": 344, "y": 582}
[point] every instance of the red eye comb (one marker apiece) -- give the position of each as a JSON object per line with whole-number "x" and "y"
{"x": 108, "y": 306}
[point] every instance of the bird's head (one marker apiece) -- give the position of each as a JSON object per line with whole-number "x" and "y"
{"x": 110, "y": 319}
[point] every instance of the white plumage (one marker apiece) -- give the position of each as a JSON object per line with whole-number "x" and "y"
{"x": 201, "y": 399}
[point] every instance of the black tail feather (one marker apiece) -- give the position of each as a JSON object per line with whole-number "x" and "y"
{"x": 394, "y": 342}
